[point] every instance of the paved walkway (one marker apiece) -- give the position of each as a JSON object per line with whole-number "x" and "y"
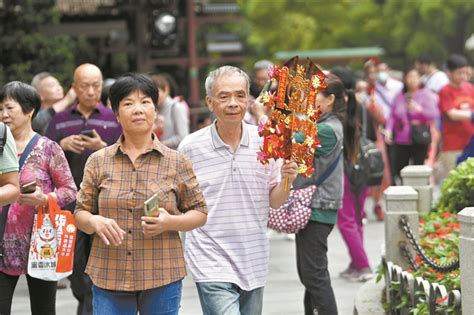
{"x": 283, "y": 292}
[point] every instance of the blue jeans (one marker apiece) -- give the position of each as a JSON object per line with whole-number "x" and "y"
{"x": 163, "y": 301}
{"x": 224, "y": 298}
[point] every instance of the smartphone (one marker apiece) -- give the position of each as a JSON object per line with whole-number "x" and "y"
{"x": 28, "y": 188}
{"x": 88, "y": 133}
{"x": 151, "y": 206}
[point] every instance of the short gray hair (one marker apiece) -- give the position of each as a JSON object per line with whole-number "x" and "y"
{"x": 35, "y": 82}
{"x": 262, "y": 65}
{"x": 224, "y": 71}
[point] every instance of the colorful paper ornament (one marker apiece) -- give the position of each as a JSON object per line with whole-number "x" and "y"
{"x": 291, "y": 132}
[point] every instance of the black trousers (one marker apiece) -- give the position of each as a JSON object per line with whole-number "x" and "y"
{"x": 81, "y": 284}
{"x": 312, "y": 264}
{"x": 404, "y": 153}
{"x": 42, "y": 294}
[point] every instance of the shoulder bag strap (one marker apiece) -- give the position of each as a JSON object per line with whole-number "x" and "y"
{"x": 364, "y": 121}
{"x": 382, "y": 96}
{"x": 4, "y": 215}
{"x": 3, "y": 136}
{"x": 28, "y": 149}
{"x": 328, "y": 171}
{"x": 3, "y": 220}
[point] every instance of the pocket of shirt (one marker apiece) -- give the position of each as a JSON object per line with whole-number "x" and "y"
{"x": 167, "y": 198}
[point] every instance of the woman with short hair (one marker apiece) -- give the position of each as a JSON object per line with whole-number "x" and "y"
{"x": 136, "y": 262}
{"x": 44, "y": 164}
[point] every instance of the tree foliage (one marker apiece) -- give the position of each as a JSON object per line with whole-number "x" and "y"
{"x": 24, "y": 50}
{"x": 406, "y": 29}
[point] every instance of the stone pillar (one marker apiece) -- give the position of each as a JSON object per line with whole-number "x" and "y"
{"x": 399, "y": 200}
{"x": 466, "y": 255}
{"x": 418, "y": 176}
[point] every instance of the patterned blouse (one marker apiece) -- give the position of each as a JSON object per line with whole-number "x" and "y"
{"x": 47, "y": 165}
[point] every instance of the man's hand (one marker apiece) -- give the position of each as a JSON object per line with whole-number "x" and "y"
{"x": 64, "y": 103}
{"x": 289, "y": 170}
{"x": 153, "y": 226}
{"x": 36, "y": 198}
{"x": 93, "y": 143}
{"x": 70, "y": 96}
{"x": 73, "y": 143}
{"x": 107, "y": 229}
{"x": 279, "y": 194}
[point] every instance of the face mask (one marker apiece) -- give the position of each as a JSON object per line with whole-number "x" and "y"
{"x": 382, "y": 77}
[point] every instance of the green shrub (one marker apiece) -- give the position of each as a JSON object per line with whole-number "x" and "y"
{"x": 457, "y": 191}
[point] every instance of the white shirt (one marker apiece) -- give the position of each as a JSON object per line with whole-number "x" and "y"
{"x": 435, "y": 81}
{"x": 385, "y": 94}
{"x": 232, "y": 246}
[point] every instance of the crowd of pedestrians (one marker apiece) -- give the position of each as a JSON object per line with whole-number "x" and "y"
{"x": 102, "y": 152}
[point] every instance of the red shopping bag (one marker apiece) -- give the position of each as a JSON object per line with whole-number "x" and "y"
{"x": 53, "y": 238}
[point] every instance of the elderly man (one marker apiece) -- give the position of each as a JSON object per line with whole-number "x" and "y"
{"x": 81, "y": 130}
{"x": 52, "y": 99}
{"x": 228, "y": 257}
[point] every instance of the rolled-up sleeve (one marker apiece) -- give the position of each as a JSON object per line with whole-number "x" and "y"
{"x": 87, "y": 197}
{"x": 189, "y": 195}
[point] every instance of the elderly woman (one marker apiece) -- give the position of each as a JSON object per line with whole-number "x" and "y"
{"x": 42, "y": 161}
{"x": 136, "y": 263}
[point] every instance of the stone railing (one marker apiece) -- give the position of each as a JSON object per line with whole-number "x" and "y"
{"x": 403, "y": 290}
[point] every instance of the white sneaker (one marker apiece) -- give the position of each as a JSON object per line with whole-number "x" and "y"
{"x": 360, "y": 275}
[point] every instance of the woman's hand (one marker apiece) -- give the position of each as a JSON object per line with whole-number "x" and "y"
{"x": 107, "y": 229}
{"x": 153, "y": 226}
{"x": 414, "y": 107}
{"x": 36, "y": 198}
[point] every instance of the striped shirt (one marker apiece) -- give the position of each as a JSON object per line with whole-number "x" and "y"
{"x": 232, "y": 246}
{"x": 115, "y": 188}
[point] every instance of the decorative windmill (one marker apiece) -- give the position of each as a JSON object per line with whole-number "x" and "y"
{"x": 291, "y": 132}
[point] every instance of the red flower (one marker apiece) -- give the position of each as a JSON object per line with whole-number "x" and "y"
{"x": 437, "y": 225}
{"x": 418, "y": 260}
{"x": 440, "y": 276}
{"x": 442, "y": 231}
{"x": 446, "y": 215}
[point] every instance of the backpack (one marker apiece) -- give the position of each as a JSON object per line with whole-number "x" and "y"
{"x": 3, "y": 136}
{"x": 369, "y": 167}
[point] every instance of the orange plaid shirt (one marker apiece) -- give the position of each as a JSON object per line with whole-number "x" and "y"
{"x": 115, "y": 188}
